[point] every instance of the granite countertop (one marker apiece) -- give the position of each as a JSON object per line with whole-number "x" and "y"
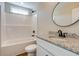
{"x": 71, "y": 44}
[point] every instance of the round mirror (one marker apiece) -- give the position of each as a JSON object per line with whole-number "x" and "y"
{"x": 66, "y": 13}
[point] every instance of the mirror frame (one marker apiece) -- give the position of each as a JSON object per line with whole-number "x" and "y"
{"x": 55, "y": 22}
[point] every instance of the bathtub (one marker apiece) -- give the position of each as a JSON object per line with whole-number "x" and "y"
{"x": 15, "y": 47}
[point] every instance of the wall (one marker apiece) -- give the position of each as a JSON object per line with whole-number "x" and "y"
{"x": 3, "y": 27}
{"x": 18, "y": 26}
{"x": 2, "y": 21}
{"x": 15, "y": 26}
{"x": 0, "y": 28}
{"x": 46, "y": 24}
{"x": 34, "y": 22}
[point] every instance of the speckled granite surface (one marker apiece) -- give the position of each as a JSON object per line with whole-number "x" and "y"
{"x": 70, "y": 44}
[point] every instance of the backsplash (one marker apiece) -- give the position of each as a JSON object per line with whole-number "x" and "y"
{"x": 52, "y": 34}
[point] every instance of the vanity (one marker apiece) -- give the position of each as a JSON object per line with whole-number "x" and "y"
{"x": 50, "y": 47}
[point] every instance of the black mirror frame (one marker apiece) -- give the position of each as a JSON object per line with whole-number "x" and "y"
{"x": 55, "y": 22}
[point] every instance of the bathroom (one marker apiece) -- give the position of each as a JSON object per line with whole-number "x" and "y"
{"x": 17, "y": 28}
{"x": 37, "y": 25}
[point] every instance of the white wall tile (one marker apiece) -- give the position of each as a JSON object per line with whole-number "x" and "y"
{"x": 17, "y": 19}
{"x": 17, "y": 27}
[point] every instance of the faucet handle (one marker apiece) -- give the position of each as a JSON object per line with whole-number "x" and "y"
{"x": 64, "y": 34}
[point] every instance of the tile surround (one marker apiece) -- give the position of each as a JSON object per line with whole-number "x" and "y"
{"x": 17, "y": 27}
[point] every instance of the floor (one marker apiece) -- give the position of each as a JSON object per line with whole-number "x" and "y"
{"x": 23, "y": 54}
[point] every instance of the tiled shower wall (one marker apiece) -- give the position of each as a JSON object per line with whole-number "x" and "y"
{"x": 17, "y": 26}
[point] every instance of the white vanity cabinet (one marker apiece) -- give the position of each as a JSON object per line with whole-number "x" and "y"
{"x": 45, "y": 48}
{"x": 42, "y": 52}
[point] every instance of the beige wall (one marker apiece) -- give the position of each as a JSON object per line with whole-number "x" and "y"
{"x": 45, "y": 23}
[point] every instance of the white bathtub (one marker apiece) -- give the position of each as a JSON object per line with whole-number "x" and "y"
{"x": 15, "y": 47}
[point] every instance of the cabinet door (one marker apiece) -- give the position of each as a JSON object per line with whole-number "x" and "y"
{"x": 54, "y": 49}
{"x": 42, "y": 52}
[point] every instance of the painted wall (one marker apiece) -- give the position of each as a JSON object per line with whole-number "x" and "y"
{"x": 46, "y": 24}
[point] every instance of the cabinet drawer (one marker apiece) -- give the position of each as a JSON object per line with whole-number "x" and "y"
{"x": 53, "y": 49}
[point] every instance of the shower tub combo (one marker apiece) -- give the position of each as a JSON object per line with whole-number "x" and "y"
{"x": 15, "y": 47}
